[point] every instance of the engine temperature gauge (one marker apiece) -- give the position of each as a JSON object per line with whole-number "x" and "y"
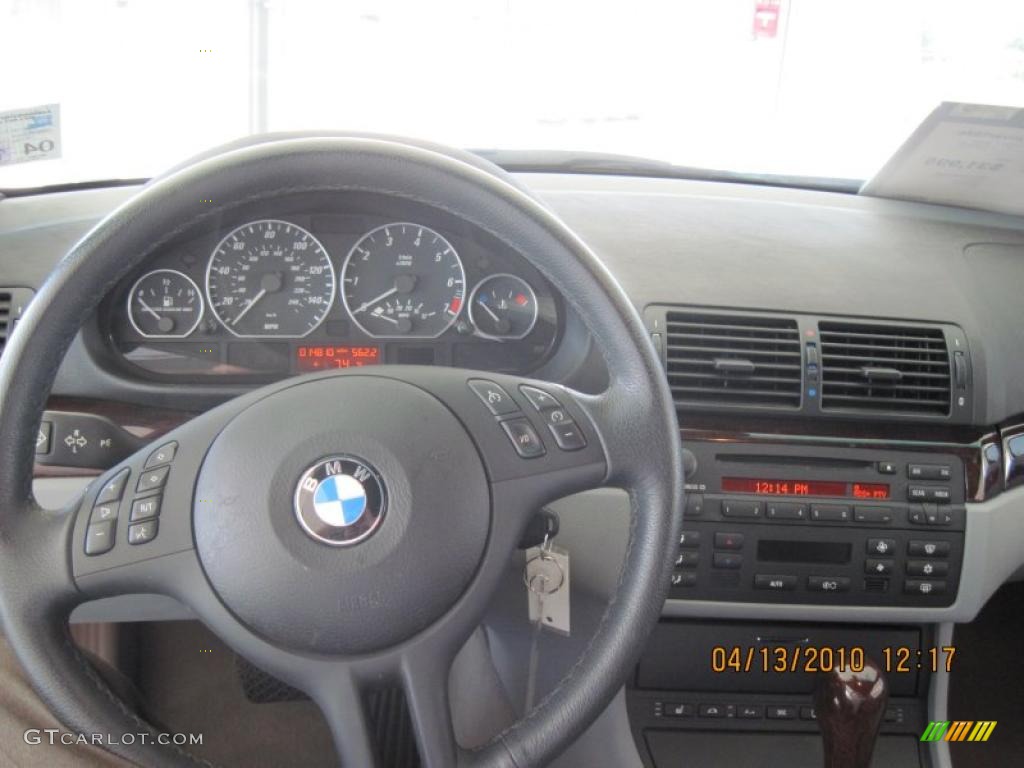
{"x": 503, "y": 307}
{"x": 165, "y": 304}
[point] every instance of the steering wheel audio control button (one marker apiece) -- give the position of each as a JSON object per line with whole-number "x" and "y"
{"x": 162, "y": 455}
{"x": 114, "y": 488}
{"x": 153, "y": 479}
{"x": 540, "y": 399}
{"x": 102, "y": 512}
{"x": 498, "y": 401}
{"x": 567, "y": 434}
{"x": 99, "y": 538}
{"x": 145, "y": 508}
{"x": 524, "y": 438}
{"x": 141, "y": 533}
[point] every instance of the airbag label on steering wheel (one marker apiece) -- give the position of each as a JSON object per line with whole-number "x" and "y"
{"x": 30, "y": 134}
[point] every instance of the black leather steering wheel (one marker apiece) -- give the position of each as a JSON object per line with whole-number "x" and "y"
{"x": 398, "y": 605}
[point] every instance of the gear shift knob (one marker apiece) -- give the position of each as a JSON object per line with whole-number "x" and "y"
{"x": 849, "y": 707}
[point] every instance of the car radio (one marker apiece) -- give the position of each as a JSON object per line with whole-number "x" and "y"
{"x": 802, "y": 524}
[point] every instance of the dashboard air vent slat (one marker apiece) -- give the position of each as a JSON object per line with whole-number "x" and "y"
{"x": 12, "y": 303}
{"x": 884, "y": 368}
{"x": 732, "y": 360}
{"x": 5, "y": 317}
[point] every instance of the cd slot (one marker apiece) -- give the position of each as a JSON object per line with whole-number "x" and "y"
{"x": 792, "y": 461}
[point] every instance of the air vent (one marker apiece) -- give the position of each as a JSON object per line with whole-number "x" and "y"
{"x": 5, "y": 317}
{"x": 896, "y": 369}
{"x": 733, "y": 359}
{"x": 12, "y": 303}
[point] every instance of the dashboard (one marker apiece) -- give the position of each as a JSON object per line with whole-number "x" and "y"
{"x": 318, "y": 281}
{"x": 835, "y": 499}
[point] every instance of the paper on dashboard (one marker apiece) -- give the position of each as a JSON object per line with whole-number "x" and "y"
{"x": 29, "y": 134}
{"x": 969, "y": 155}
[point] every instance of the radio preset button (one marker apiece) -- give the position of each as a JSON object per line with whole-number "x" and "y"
{"x": 917, "y": 587}
{"x": 778, "y": 583}
{"x": 881, "y": 546}
{"x": 878, "y": 567}
{"x": 928, "y": 548}
{"x": 741, "y": 508}
{"x": 728, "y": 541}
{"x": 777, "y": 511}
{"x": 828, "y": 583}
{"x": 927, "y": 568}
{"x": 727, "y": 560}
{"x": 876, "y": 515}
{"x": 832, "y": 513}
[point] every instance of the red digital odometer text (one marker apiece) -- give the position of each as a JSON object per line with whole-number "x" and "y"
{"x": 322, "y": 357}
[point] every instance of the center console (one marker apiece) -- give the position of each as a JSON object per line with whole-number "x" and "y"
{"x": 800, "y": 521}
{"x": 821, "y": 526}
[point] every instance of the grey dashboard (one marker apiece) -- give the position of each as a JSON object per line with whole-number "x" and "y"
{"x": 723, "y": 248}
{"x": 712, "y": 245}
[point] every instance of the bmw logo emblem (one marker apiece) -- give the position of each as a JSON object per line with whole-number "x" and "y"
{"x": 340, "y": 500}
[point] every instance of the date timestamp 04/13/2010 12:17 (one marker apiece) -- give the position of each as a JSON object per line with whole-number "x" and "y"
{"x": 813, "y": 659}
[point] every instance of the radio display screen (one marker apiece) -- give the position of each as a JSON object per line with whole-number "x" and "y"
{"x": 772, "y": 487}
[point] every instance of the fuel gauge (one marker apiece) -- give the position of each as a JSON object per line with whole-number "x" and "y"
{"x": 165, "y": 304}
{"x": 503, "y": 306}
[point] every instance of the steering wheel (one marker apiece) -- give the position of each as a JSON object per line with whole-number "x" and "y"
{"x": 257, "y": 532}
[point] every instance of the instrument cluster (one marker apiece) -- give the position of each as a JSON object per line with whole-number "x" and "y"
{"x": 264, "y": 294}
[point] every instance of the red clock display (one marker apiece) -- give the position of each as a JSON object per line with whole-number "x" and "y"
{"x": 772, "y": 487}
{"x": 322, "y": 357}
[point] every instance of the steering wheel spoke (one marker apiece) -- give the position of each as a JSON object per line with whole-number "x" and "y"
{"x": 424, "y": 676}
{"x": 342, "y": 706}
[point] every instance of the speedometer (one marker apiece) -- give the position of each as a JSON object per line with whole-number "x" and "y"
{"x": 403, "y": 280}
{"x": 270, "y": 278}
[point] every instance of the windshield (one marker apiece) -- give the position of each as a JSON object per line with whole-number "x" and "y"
{"x": 820, "y": 88}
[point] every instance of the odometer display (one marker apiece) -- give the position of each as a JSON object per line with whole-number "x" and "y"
{"x": 270, "y": 278}
{"x": 403, "y": 280}
{"x": 324, "y": 356}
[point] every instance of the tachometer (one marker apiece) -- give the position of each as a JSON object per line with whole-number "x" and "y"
{"x": 403, "y": 280}
{"x": 270, "y": 278}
